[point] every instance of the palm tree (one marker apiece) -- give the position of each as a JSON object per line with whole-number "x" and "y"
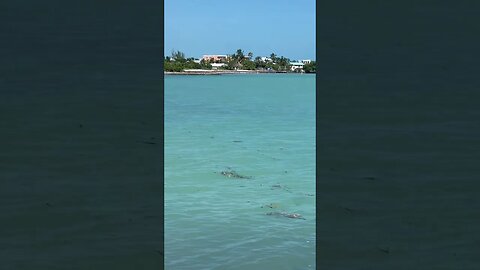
{"x": 240, "y": 55}
{"x": 273, "y": 57}
{"x": 178, "y": 56}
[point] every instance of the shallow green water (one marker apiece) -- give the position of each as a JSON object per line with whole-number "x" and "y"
{"x": 261, "y": 126}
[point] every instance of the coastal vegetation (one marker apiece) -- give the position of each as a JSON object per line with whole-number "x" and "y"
{"x": 177, "y": 62}
{"x": 310, "y": 67}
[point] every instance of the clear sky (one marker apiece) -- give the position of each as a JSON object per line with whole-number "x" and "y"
{"x": 198, "y": 27}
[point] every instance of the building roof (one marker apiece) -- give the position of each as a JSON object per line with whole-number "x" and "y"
{"x": 215, "y": 55}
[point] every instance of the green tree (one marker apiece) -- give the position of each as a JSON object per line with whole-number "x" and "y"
{"x": 283, "y": 63}
{"x": 247, "y": 64}
{"x": 205, "y": 64}
{"x": 173, "y": 66}
{"x": 190, "y": 64}
{"x": 310, "y": 67}
{"x": 259, "y": 63}
{"x": 232, "y": 64}
{"x": 240, "y": 55}
{"x": 178, "y": 56}
{"x": 273, "y": 57}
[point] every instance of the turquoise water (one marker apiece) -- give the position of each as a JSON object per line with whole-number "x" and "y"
{"x": 261, "y": 126}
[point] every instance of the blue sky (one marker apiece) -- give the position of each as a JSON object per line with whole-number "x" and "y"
{"x": 198, "y": 27}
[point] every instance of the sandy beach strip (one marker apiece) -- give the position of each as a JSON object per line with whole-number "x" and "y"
{"x": 214, "y": 72}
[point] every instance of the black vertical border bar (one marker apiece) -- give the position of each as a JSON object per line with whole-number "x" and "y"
{"x": 162, "y": 121}
{"x": 57, "y": 70}
{"x": 317, "y": 131}
{"x": 415, "y": 66}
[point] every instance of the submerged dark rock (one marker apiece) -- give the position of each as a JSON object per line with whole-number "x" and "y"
{"x": 284, "y": 214}
{"x": 272, "y": 205}
{"x": 280, "y": 187}
{"x": 234, "y": 174}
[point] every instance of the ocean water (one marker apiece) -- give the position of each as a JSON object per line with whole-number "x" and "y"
{"x": 260, "y": 126}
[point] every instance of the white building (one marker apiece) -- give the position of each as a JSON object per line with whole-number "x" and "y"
{"x": 296, "y": 65}
{"x": 306, "y": 61}
{"x": 217, "y": 65}
{"x": 266, "y": 59}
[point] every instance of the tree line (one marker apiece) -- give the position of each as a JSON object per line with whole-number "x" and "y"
{"x": 177, "y": 63}
{"x": 238, "y": 60}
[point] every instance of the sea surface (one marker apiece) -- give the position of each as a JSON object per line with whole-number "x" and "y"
{"x": 259, "y": 126}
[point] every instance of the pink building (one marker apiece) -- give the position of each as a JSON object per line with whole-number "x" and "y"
{"x": 215, "y": 58}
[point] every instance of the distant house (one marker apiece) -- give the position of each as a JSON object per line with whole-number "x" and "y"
{"x": 215, "y": 57}
{"x": 306, "y": 61}
{"x": 266, "y": 59}
{"x": 217, "y": 65}
{"x": 196, "y": 61}
{"x": 296, "y": 65}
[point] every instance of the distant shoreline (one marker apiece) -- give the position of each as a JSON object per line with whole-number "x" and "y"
{"x": 222, "y": 72}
